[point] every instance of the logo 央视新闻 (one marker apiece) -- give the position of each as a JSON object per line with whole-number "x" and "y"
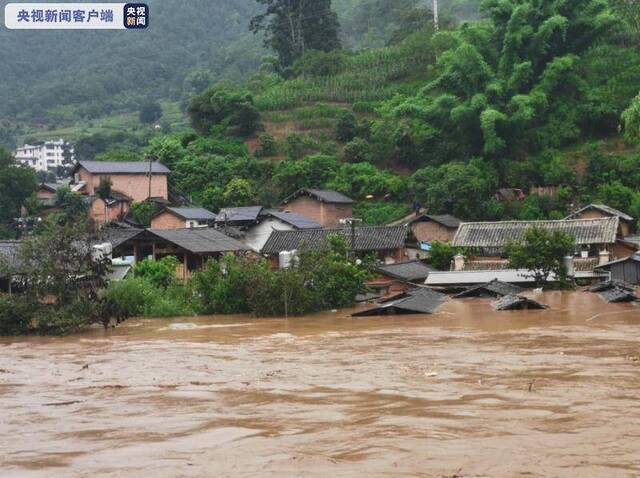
{"x": 136, "y": 15}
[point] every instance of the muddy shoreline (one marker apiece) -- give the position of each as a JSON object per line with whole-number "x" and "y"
{"x": 467, "y": 392}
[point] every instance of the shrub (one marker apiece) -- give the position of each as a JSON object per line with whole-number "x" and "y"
{"x": 357, "y": 151}
{"x": 268, "y": 145}
{"x": 16, "y": 315}
{"x": 346, "y": 127}
{"x": 160, "y": 273}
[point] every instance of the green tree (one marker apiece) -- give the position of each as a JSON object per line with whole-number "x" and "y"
{"x": 631, "y": 119}
{"x": 542, "y": 253}
{"x": 291, "y": 27}
{"x": 238, "y": 192}
{"x": 226, "y": 106}
{"x": 150, "y": 112}
{"x": 441, "y": 254}
{"x": 160, "y": 273}
{"x": 73, "y": 206}
{"x": 142, "y": 212}
{"x": 17, "y": 183}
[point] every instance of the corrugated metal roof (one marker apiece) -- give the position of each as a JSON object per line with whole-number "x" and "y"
{"x": 239, "y": 214}
{"x": 499, "y": 234}
{"x": 193, "y": 213}
{"x": 122, "y": 167}
{"x": 295, "y": 220}
{"x": 324, "y": 195}
{"x": 417, "y": 301}
{"x": 516, "y": 276}
{"x": 200, "y": 241}
{"x": 407, "y": 271}
{"x": 446, "y": 220}
{"x": 369, "y": 238}
{"x": 9, "y": 255}
{"x": 603, "y": 208}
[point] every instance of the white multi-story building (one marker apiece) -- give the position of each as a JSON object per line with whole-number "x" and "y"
{"x": 45, "y": 155}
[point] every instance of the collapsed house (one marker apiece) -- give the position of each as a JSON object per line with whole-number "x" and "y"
{"x": 517, "y": 302}
{"x": 494, "y": 288}
{"x": 417, "y": 301}
{"x": 618, "y": 294}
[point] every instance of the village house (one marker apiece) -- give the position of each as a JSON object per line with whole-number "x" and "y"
{"x": 182, "y": 217}
{"x": 193, "y": 247}
{"x": 427, "y": 228}
{"x": 137, "y": 180}
{"x": 594, "y": 240}
{"x": 625, "y": 270}
{"x": 325, "y": 207}
{"x": 387, "y": 243}
{"x": 256, "y": 235}
{"x": 390, "y": 279}
{"x": 238, "y": 217}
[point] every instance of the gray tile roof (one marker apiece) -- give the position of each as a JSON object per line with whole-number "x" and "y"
{"x": 118, "y": 236}
{"x": 499, "y": 234}
{"x": 369, "y": 238}
{"x": 417, "y": 301}
{"x": 618, "y": 294}
{"x": 239, "y": 214}
{"x": 193, "y": 213}
{"x": 9, "y": 255}
{"x": 495, "y": 288}
{"x": 324, "y": 195}
{"x": 446, "y": 220}
{"x": 602, "y": 208}
{"x": 611, "y": 284}
{"x": 406, "y": 271}
{"x": 200, "y": 241}
{"x": 517, "y": 302}
{"x": 122, "y": 167}
{"x": 295, "y": 220}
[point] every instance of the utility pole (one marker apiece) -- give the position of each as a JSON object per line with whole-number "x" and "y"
{"x": 352, "y": 222}
{"x": 150, "y": 171}
{"x": 435, "y": 15}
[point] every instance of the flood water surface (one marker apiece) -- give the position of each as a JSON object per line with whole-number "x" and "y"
{"x": 466, "y": 392}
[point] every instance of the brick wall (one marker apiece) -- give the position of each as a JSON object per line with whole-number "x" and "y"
{"x": 167, "y": 220}
{"x": 113, "y": 213}
{"x": 431, "y": 231}
{"x": 328, "y": 215}
{"x": 136, "y": 186}
{"x": 624, "y": 229}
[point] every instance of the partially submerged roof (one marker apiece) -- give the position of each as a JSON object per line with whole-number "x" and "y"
{"x": 368, "y": 238}
{"x": 494, "y": 288}
{"x": 517, "y": 302}
{"x": 191, "y": 213}
{"x": 122, "y": 167}
{"x": 611, "y": 284}
{"x": 608, "y": 210}
{"x": 406, "y": 271}
{"x": 294, "y": 220}
{"x": 417, "y": 301}
{"x": 324, "y": 195}
{"x": 618, "y": 294}
{"x": 200, "y": 241}
{"x": 446, "y": 220}
{"x": 513, "y": 276}
{"x": 239, "y": 214}
{"x": 499, "y": 234}
{"x": 630, "y": 259}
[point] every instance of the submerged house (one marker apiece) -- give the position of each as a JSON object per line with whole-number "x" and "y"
{"x": 427, "y": 228}
{"x": 625, "y": 270}
{"x": 385, "y": 242}
{"x": 182, "y": 217}
{"x": 392, "y": 279}
{"x": 594, "y": 240}
{"x": 417, "y": 301}
{"x": 193, "y": 247}
{"x": 326, "y": 207}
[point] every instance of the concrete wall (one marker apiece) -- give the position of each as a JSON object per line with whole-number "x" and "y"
{"x": 135, "y": 186}
{"x": 327, "y": 215}
{"x": 167, "y": 220}
{"x": 428, "y": 231}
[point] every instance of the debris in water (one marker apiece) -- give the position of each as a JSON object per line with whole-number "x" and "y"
{"x": 60, "y": 404}
{"x": 517, "y": 302}
{"x": 495, "y": 288}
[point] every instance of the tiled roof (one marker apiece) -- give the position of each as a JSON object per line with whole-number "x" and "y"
{"x": 618, "y": 294}
{"x": 494, "y": 288}
{"x": 239, "y": 214}
{"x": 517, "y": 302}
{"x": 499, "y": 234}
{"x": 295, "y": 220}
{"x": 118, "y": 236}
{"x": 9, "y": 255}
{"x": 417, "y": 301}
{"x": 122, "y": 167}
{"x": 324, "y": 195}
{"x": 369, "y": 238}
{"x": 194, "y": 213}
{"x": 635, "y": 258}
{"x": 407, "y": 271}
{"x": 446, "y": 220}
{"x": 200, "y": 241}
{"x": 603, "y": 208}
{"x": 611, "y": 284}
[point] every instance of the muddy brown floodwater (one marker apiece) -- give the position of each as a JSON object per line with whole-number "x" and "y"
{"x": 466, "y": 392}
